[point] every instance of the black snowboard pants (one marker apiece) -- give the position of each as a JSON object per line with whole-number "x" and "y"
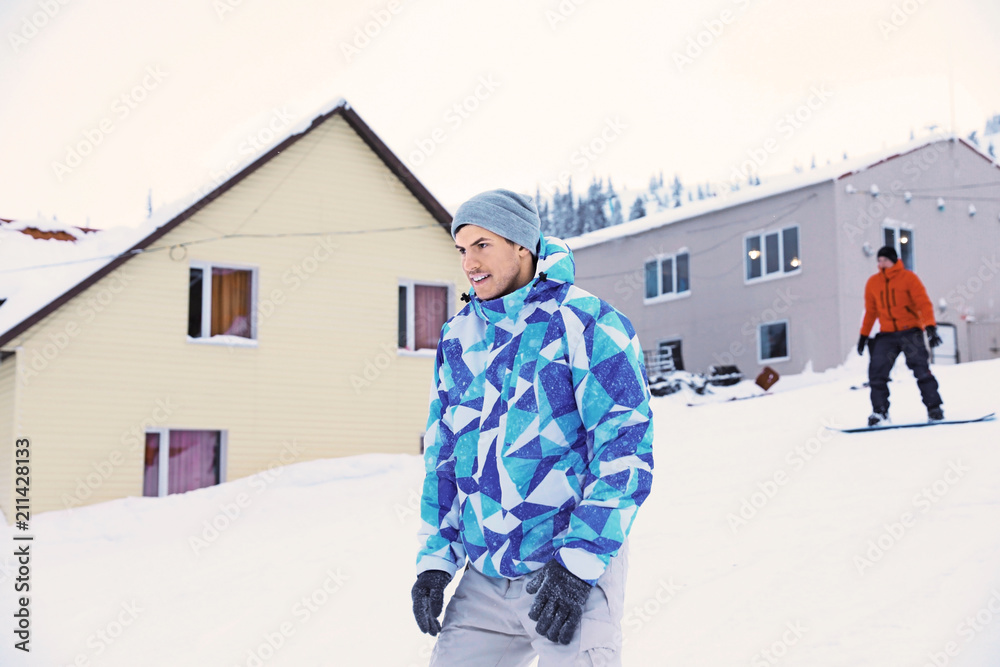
{"x": 884, "y": 349}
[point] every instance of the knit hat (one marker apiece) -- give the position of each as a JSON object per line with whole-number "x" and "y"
{"x": 888, "y": 252}
{"x": 506, "y": 213}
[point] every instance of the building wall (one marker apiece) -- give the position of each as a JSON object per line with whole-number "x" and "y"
{"x": 956, "y": 256}
{"x": 7, "y": 378}
{"x": 718, "y": 321}
{"x": 324, "y": 378}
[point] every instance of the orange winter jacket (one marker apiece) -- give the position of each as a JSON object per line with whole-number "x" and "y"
{"x": 898, "y": 299}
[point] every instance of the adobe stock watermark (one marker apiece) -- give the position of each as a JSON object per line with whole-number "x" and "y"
{"x": 781, "y": 304}
{"x": 712, "y": 29}
{"x": 229, "y": 512}
{"x": 35, "y": 22}
{"x": 121, "y": 108}
{"x": 786, "y": 127}
{"x": 635, "y": 281}
{"x": 778, "y": 649}
{"x": 364, "y": 34}
{"x": 299, "y": 273}
{"x": 642, "y": 614}
{"x": 223, "y": 7}
{"x": 99, "y": 641}
{"x": 796, "y": 458}
{"x": 588, "y": 152}
{"x": 301, "y": 612}
{"x": 900, "y": 15}
{"x": 133, "y": 440}
{"x": 562, "y": 12}
{"x": 454, "y": 118}
{"x": 968, "y": 629}
{"x": 962, "y": 295}
{"x": 922, "y": 501}
{"x": 875, "y": 210}
{"x": 92, "y": 303}
{"x": 253, "y": 145}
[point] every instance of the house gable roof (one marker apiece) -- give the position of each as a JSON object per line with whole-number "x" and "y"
{"x": 343, "y": 109}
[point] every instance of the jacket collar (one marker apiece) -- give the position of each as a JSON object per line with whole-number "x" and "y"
{"x": 895, "y": 270}
{"x": 555, "y": 268}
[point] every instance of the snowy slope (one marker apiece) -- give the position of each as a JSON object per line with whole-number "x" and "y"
{"x": 857, "y": 550}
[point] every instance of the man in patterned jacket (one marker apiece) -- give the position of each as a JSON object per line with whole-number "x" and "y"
{"x": 538, "y": 454}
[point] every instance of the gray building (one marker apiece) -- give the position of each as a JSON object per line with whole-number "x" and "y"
{"x": 774, "y": 275}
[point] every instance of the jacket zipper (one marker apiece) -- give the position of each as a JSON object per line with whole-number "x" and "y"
{"x": 888, "y": 307}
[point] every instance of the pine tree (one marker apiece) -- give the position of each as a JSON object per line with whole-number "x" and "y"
{"x": 615, "y": 205}
{"x": 638, "y": 209}
{"x": 677, "y": 190}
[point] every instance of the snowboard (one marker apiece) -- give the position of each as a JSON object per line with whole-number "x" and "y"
{"x": 886, "y": 427}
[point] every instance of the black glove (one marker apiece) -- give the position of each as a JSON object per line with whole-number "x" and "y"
{"x": 428, "y": 599}
{"x": 559, "y": 604}
{"x": 862, "y": 344}
{"x": 932, "y": 336}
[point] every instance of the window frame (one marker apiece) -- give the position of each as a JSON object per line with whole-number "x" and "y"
{"x": 206, "y": 304}
{"x": 661, "y": 295}
{"x": 898, "y": 228}
{"x": 163, "y": 457}
{"x": 411, "y": 326}
{"x": 761, "y": 237}
{"x": 788, "y": 342}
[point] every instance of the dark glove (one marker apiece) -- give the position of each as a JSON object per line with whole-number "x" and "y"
{"x": 428, "y": 599}
{"x": 932, "y": 336}
{"x": 559, "y": 604}
{"x": 862, "y": 344}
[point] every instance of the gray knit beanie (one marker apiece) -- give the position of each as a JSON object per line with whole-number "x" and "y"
{"x": 505, "y": 213}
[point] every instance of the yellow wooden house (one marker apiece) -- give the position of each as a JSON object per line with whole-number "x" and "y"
{"x": 289, "y": 315}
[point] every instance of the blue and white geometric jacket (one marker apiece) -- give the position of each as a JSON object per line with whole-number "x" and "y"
{"x": 539, "y": 440}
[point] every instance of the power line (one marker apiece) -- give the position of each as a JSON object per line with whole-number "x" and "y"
{"x": 212, "y": 240}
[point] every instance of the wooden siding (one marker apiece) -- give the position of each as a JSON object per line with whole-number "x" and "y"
{"x": 327, "y": 314}
{"x": 7, "y": 437}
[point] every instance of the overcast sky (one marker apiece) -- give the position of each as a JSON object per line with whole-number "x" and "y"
{"x": 103, "y": 101}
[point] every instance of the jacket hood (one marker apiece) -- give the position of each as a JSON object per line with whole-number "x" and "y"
{"x": 555, "y": 272}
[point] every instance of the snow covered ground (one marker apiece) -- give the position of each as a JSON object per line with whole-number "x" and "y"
{"x": 767, "y": 540}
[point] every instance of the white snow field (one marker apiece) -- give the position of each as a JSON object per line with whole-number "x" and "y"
{"x": 767, "y": 540}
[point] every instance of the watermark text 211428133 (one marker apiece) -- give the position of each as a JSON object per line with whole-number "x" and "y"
{"x": 22, "y": 549}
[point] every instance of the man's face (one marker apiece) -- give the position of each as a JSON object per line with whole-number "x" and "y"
{"x": 885, "y": 263}
{"x": 492, "y": 264}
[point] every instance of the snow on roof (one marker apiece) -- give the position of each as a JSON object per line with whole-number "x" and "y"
{"x": 769, "y": 188}
{"x": 36, "y": 272}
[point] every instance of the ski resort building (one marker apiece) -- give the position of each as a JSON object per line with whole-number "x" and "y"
{"x": 290, "y": 314}
{"x": 774, "y": 275}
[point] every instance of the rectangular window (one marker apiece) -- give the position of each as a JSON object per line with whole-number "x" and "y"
{"x": 683, "y": 282}
{"x": 423, "y": 310}
{"x": 652, "y": 286}
{"x": 221, "y": 302}
{"x": 669, "y": 274}
{"x": 181, "y": 460}
{"x": 773, "y": 337}
{"x": 901, "y": 239}
{"x": 772, "y": 254}
{"x": 753, "y": 257}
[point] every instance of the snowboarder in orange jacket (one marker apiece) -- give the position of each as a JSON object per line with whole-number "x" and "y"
{"x": 897, "y": 298}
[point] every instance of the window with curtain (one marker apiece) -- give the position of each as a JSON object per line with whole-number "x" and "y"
{"x": 423, "y": 310}
{"x": 772, "y": 254}
{"x": 181, "y": 460}
{"x": 668, "y": 275}
{"x": 220, "y": 302}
